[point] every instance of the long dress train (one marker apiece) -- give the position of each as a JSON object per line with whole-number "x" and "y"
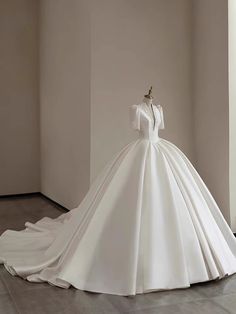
{"x": 148, "y": 222}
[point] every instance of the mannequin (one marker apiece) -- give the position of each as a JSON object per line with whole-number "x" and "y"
{"x": 148, "y": 100}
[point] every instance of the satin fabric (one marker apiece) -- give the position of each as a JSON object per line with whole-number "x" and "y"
{"x": 148, "y": 222}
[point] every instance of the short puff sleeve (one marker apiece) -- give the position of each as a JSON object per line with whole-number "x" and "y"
{"x": 135, "y": 117}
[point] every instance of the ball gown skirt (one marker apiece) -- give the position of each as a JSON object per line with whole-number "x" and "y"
{"x": 147, "y": 223}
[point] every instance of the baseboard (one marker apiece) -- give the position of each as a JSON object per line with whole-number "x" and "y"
{"x": 49, "y": 199}
{"x": 20, "y": 195}
{"x": 33, "y": 194}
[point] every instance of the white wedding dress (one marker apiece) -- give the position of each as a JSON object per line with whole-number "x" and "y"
{"x": 148, "y": 222}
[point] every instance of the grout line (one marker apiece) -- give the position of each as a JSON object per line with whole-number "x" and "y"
{"x": 219, "y": 305}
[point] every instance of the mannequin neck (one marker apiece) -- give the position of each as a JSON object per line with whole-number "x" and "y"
{"x": 147, "y": 101}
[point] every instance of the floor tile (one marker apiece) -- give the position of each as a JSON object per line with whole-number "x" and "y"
{"x": 175, "y": 296}
{"x": 214, "y": 288}
{"x": 6, "y": 305}
{"x": 154, "y": 299}
{"x": 124, "y": 304}
{"x": 62, "y": 301}
{"x": 14, "y": 212}
{"x": 17, "y": 284}
{"x": 3, "y": 288}
{"x": 196, "y": 307}
{"x": 228, "y": 302}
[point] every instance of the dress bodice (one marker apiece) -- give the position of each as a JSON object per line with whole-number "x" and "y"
{"x": 142, "y": 119}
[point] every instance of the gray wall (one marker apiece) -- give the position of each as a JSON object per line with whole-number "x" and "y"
{"x": 89, "y": 79}
{"x": 210, "y": 97}
{"x": 19, "y": 111}
{"x": 64, "y": 100}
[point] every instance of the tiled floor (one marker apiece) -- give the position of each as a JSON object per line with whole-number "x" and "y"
{"x": 22, "y": 297}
